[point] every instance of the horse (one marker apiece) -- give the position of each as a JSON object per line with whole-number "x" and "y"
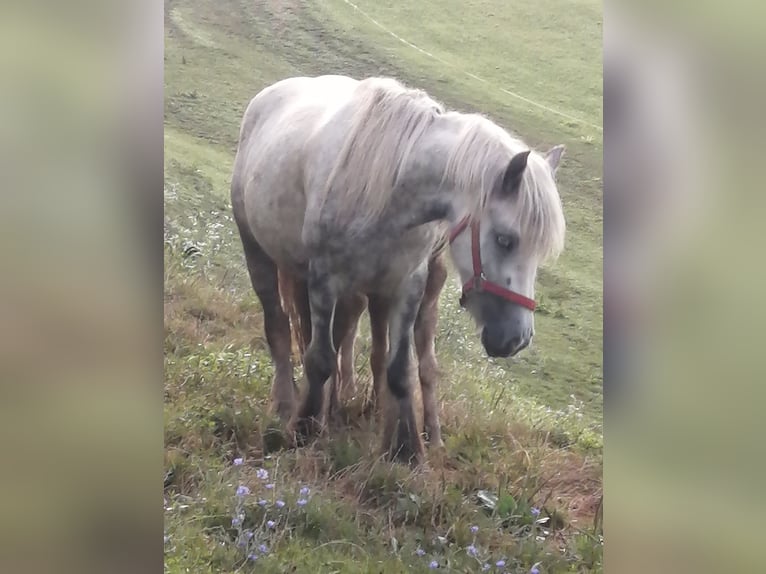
{"x": 350, "y": 184}
{"x": 342, "y": 383}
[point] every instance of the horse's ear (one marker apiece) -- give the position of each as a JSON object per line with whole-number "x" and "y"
{"x": 513, "y": 173}
{"x": 553, "y": 157}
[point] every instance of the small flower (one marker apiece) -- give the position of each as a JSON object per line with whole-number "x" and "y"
{"x": 474, "y": 529}
{"x": 242, "y": 491}
{"x": 262, "y": 502}
{"x": 263, "y": 549}
{"x": 433, "y": 565}
{"x": 238, "y": 462}
{"x": 236, "y": 521}
{"x": 534, "y": 570}
{"x": 472, "y": 551}
{"x": 270, "y": 524}
{"x": 304, "y": 491}
{"x": 420, "y": 552}
{"x": 485, "y": 567}
{"x": 500, "y": 563}
{"x": 535, "y": 512}
{"x": 253, "y": 557}
{"x": 248, "y": 534}
{"x": 270, "y": 486}
{"x": 262, "y": 474}
{"x": 302, "y": 502}
{"x": 280, "y": 503}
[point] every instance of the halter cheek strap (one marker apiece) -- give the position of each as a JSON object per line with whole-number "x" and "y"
{"x": 479, "y": 282}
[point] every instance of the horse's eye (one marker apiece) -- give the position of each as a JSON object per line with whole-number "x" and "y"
{"x": 507, "y": 242}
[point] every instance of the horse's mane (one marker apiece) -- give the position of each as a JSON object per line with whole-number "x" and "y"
{"x": 389, "y": 120}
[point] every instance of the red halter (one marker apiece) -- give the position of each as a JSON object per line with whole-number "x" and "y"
{"x": 478, "y": 282}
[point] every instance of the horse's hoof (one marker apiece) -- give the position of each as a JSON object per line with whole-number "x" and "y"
{"x": 302, "y": 430}
{"x": 283, "y": 409}
{"x": 434, "y": 440}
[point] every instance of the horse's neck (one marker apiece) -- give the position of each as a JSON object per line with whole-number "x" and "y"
{"x": 430, "y": 196}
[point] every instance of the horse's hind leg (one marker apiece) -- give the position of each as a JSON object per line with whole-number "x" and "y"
{"x": 263, "y": 275}
{"x": 425, "y": 335}
{"x": 346, "y": 374}
{"x": 378, "y": 308}
{"x": 342, "y": 382}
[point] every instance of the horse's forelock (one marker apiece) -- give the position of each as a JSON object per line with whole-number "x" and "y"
{"x": 478, "y": 161}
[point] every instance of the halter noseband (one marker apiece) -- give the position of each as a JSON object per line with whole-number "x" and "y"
{"x": 479, "y": 282}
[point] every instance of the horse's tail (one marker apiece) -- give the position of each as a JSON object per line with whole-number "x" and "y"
{"x": 290, "y": 293}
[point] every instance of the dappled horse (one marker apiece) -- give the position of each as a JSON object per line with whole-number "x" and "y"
{"x": 293, "y": 292}
{"x": 350, "y": 185}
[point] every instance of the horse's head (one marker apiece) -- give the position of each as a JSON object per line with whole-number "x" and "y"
{"x": 497, "y": 253}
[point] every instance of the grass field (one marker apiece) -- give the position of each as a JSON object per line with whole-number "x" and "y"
{"x": 521, "y": 434}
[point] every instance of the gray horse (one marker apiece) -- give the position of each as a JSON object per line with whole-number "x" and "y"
{"x": 351, "y": 185}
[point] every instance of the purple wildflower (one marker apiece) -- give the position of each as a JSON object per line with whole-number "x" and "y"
{"x": 262, "y": 502}
{"x": 262, "y": 474}
{"x": 420, "y": 552}
{"x": 243, "y": 491}
{"x": 485, "y": 567}
{"x": 500, "y": 563}
{"x": 534, "y": 570}
{"x": 535, "y": 512}
{"x": 433, "y": 565}
{"x": 474, "y": 529}
{"x": 270, "y": 486}
{"x": 236, "y": 521}
{"x": 270, "y": 524}
{"x": 263, "y": 549}
{"x": 248, "y": 534}
{"x": 472, "y": 551}
{"x": 302, "y": 502}
{"x": 304, "y": 491}
{"x": 253, "y": 557}
{"x": 280, "y": 503}
{"x": 238, "y": 462}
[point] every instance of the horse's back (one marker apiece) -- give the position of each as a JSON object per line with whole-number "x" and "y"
{"x": 268, "y": 181}
{"x": 286, "y": 100}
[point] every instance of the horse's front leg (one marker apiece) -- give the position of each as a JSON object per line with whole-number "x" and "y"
{"x": 425, "y": 336}
{"x": 330, "y": 319}
{"x": 402, "y": 439}
{"x": 319, "y": 358}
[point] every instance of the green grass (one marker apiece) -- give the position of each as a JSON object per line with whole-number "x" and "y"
{"x": 527, "y": 430}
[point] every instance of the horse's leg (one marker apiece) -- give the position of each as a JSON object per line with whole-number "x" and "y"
{"x": 342, "y": 382}
{"x": 346, "y": 375}
{"x": 378, "y": 308}
{"x": 320, "y": 358}
{"x": 263, "y": 276}
{"x": 301, "y": 300}
{"x": 401, "y": 436}
{"x": 425, "y": 335}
